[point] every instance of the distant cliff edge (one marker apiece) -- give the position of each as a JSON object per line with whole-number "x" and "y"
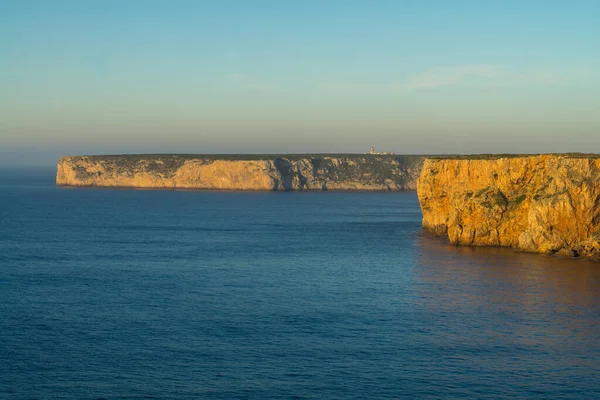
{"x": 243, "y": 172}
{"x": 544, "y": 203}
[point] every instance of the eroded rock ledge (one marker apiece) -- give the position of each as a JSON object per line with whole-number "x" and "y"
{"x": 243, "y": 172}
{"x": 543, "y": 203}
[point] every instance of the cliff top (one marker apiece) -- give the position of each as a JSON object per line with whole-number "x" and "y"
{"x": 295, "y": 156}
{"x": 498, "y": 156}
{"x": 126, "y": 160}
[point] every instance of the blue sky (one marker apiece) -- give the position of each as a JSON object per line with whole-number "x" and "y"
{"x": 297, "y": 76}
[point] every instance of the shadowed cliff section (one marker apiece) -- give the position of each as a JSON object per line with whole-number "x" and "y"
{"x": 541, "y": 203}
{"x": 243, "y": 172}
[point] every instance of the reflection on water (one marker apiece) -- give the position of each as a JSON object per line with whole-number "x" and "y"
{"x": 515, "y": 306}
{"x": 531, "y": 280}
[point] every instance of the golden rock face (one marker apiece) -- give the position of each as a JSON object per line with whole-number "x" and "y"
{"x": 191, "y": 174}
{"x": 545, "y": 203}
{"x": 355, "y": 172}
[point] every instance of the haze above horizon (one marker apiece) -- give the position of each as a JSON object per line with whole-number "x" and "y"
{"x": 426, "y": 77}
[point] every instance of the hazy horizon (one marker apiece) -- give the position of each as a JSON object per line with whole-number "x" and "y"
{"x": 118, "y": 77}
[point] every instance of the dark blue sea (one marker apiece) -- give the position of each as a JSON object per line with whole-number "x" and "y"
{"x": 149, "y": 294}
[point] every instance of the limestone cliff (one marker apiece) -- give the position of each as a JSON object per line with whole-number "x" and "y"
{"x": 243, "y": 172}
{"x": 544, "y": 203}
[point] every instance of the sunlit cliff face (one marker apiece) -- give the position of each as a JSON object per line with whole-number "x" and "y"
{"x": 352, "y": 172}
{"x": 546, "y": 203}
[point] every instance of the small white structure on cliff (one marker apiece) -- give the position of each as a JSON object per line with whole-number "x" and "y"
{"x": 372, "y": 151}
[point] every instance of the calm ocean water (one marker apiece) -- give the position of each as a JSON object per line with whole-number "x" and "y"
{"x": 134, "y": 294}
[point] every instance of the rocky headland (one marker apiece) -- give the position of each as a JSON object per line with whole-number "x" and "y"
{"x": 540, "y": 203}
{"x": 374, "y": 172}
{"x": 543, "y": 203}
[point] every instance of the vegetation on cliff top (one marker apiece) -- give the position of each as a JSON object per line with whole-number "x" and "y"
{"x": 381, "y": 165}
{"x": 229, "y": 157}
{"x": 498, "y": 156}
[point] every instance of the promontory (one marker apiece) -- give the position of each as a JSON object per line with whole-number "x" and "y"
{"x": 543, "y": 203}
{"x": 546, "y": 203}
{"x": 376, "y": 172}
